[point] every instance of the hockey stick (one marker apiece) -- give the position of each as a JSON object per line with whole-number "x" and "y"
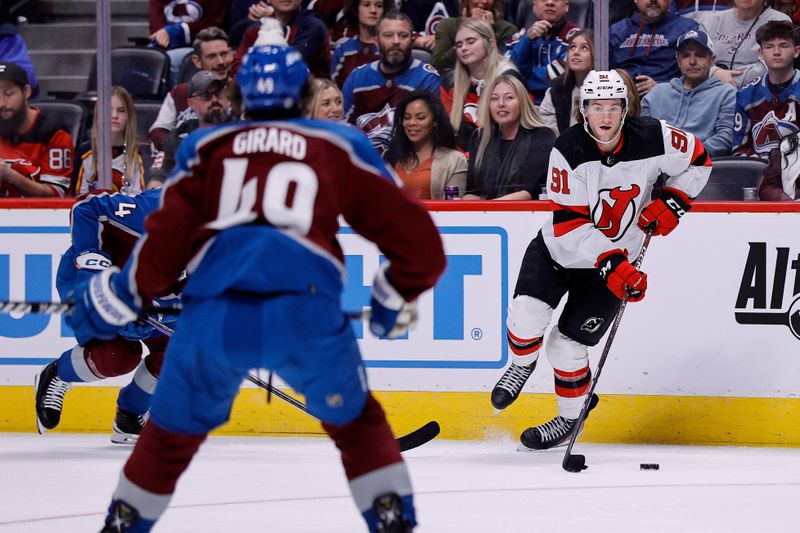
{"x": 416, "y": 438}
{"x": 577, "y": 462}
{"x": 52, "y": 308}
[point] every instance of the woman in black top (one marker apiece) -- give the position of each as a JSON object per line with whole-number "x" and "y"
{"x": 510, "y": 151}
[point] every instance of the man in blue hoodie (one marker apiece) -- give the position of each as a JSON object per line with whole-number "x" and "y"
{"x": 696, "y": 102}
{"x": 644, "y": 44}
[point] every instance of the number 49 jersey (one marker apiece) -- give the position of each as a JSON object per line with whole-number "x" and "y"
{"x": 254, "y": 207}
{"x": 598, "y": 197}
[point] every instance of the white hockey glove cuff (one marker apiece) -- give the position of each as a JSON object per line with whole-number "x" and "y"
{"x": 110, "y": 307}
{"x": 391, "y": 316}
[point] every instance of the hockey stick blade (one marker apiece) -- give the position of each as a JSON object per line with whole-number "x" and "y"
{"x": 418, "y": 437}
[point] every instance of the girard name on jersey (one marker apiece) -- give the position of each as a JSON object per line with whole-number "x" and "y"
{"x": 274, "y": 140}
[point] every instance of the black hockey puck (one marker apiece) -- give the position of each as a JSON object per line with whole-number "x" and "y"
{"x": 648, "y": 466}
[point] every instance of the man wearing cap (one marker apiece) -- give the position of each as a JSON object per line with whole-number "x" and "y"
{"x": 212, "y": 53}
{"x": 696, "y": 101}
{"x": 207, "y": 98}
{"x": 36, "y": 151}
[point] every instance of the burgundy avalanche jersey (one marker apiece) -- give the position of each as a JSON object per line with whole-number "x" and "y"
{"x": 370, "y": 96}
{"x": 598, "y": 197}
{"x": 762, "y": 118}
{"x": 254, "y": 207}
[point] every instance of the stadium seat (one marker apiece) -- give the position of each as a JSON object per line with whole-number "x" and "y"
{"x": 730, "y": 175}
{"x": 422, "y": 54}
{"x": 146, "y": 113}
{"x": 72, "y": 115}
{"x": 142, "y": 71}
{"x": 188, "y": 69}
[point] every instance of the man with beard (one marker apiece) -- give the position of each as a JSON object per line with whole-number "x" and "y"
{"x": 207, "y": 98}
{"x": 372, "y": 91}
{"x": 644, "y": 44}
{"x": 36, "y": 152}
{"x": 211, "y": 53}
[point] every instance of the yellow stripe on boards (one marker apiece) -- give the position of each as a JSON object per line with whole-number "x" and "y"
{"x": 469, "y": 416}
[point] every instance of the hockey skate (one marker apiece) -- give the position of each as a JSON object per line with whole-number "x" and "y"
{"x": 122, "y": 518}
{"x": 510, "y": 385}
{"x": 127, "y": 427}
{"x": 50, "y": 391}
{"x": 554, "y": 433}
{"x": 388, "y": 509}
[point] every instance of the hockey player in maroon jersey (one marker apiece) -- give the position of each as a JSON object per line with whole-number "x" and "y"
{"x": 602, "y": 174}
{"x": 251, "y": 211}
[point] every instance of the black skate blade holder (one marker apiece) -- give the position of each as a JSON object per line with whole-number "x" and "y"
{"x": 577, "y": 462}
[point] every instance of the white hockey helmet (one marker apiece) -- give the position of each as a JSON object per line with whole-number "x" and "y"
{"x": 603, "y": 85}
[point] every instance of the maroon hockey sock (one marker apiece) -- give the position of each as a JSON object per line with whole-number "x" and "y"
{"x": 367, "y": 443}
{"x": 160, "y": 457}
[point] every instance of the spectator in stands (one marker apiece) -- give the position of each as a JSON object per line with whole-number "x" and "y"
{"x": 478, "y": 63}
{"x": 700, "y": 10}
{"x": 767, "y": 110}
{"x": 361, "y": 48}
{"x": 209, "y": 100}
{"x": 372, "y": 91}
{"x": 781, "y": 181}
{"x": 510, "y": 151}
{"x": 540, "y": 51}
{"x": 423, "y": 148}
{"x": 304, "y": 30}
{"x": 175, "y": 25}
{"x": 560, "y": 103}
{"x": 127, "y": 168}
{"x": 734, "y": 35}
{"x": 696, "y": 102}
{"x": 13, "y": 49}
{"x": 326, "y": 101}
{"x": 644, "y": 43}
{"x": 211, "y": 53}
{"x": 489, "y": 11}
{"x": 36, "y": 151}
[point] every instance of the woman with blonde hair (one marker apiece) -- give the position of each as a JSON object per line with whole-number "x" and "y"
{"x": 127, "y": 167}
{"x": 325, "y": 101}
{"x": 511, "y": 149}
{"x": 477, "y": 63}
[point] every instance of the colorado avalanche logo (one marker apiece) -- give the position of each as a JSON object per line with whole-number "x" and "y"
{"x": 378, "y": 126}
{"x": 615, "y": 211}
{"x": 767, "y": 134}
{"x": 179, "y": 11}
{"x": 438, "y": 13}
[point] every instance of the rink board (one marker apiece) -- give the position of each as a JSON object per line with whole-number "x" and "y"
{"x": 710, "y": 356}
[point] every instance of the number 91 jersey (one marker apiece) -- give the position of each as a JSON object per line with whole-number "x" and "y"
{"x": 254, "y": 207}
{"x": 598, "y": 196}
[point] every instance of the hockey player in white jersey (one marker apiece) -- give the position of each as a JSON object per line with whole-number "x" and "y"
{"x": 602, "y": 174}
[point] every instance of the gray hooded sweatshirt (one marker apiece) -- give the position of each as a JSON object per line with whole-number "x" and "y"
{"x": 706, "y": 111}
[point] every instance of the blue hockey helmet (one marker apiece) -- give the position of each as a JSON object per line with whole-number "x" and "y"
{"x": 272, "y": 77}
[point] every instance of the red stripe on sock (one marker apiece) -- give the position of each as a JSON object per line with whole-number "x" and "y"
{"x": 564, "y": 374}
{"x": 566, "y": 392}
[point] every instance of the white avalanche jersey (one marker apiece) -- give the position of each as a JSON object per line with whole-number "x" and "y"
{"x": 598, "y": 197}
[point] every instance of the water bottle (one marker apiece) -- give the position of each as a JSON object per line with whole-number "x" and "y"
{"x": 451, "y": 193}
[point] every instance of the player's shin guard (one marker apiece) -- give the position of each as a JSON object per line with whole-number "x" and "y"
{"x": 527, "y": 319}
{"x": 570, "y": 361}
{"x": 132, "y": 405}
{"x": 379, "y": 480}
{"x": 148, "y": 479}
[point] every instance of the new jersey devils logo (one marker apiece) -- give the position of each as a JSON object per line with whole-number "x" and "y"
{"x": 615, "y": 210}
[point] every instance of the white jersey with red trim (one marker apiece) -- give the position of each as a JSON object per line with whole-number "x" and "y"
{"x": 598, "y": 197}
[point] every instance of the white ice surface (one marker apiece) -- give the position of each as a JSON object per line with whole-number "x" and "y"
{"x": 63, "y": 483}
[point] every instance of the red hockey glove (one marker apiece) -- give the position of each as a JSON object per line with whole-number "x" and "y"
{"x": 665, "y": 211}
{"x": 621, "y": 277}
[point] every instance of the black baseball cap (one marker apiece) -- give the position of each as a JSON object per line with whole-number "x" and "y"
{"x": 12, "y": 72}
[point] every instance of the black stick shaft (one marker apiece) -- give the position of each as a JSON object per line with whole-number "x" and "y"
{"x": 603, "y": 356}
